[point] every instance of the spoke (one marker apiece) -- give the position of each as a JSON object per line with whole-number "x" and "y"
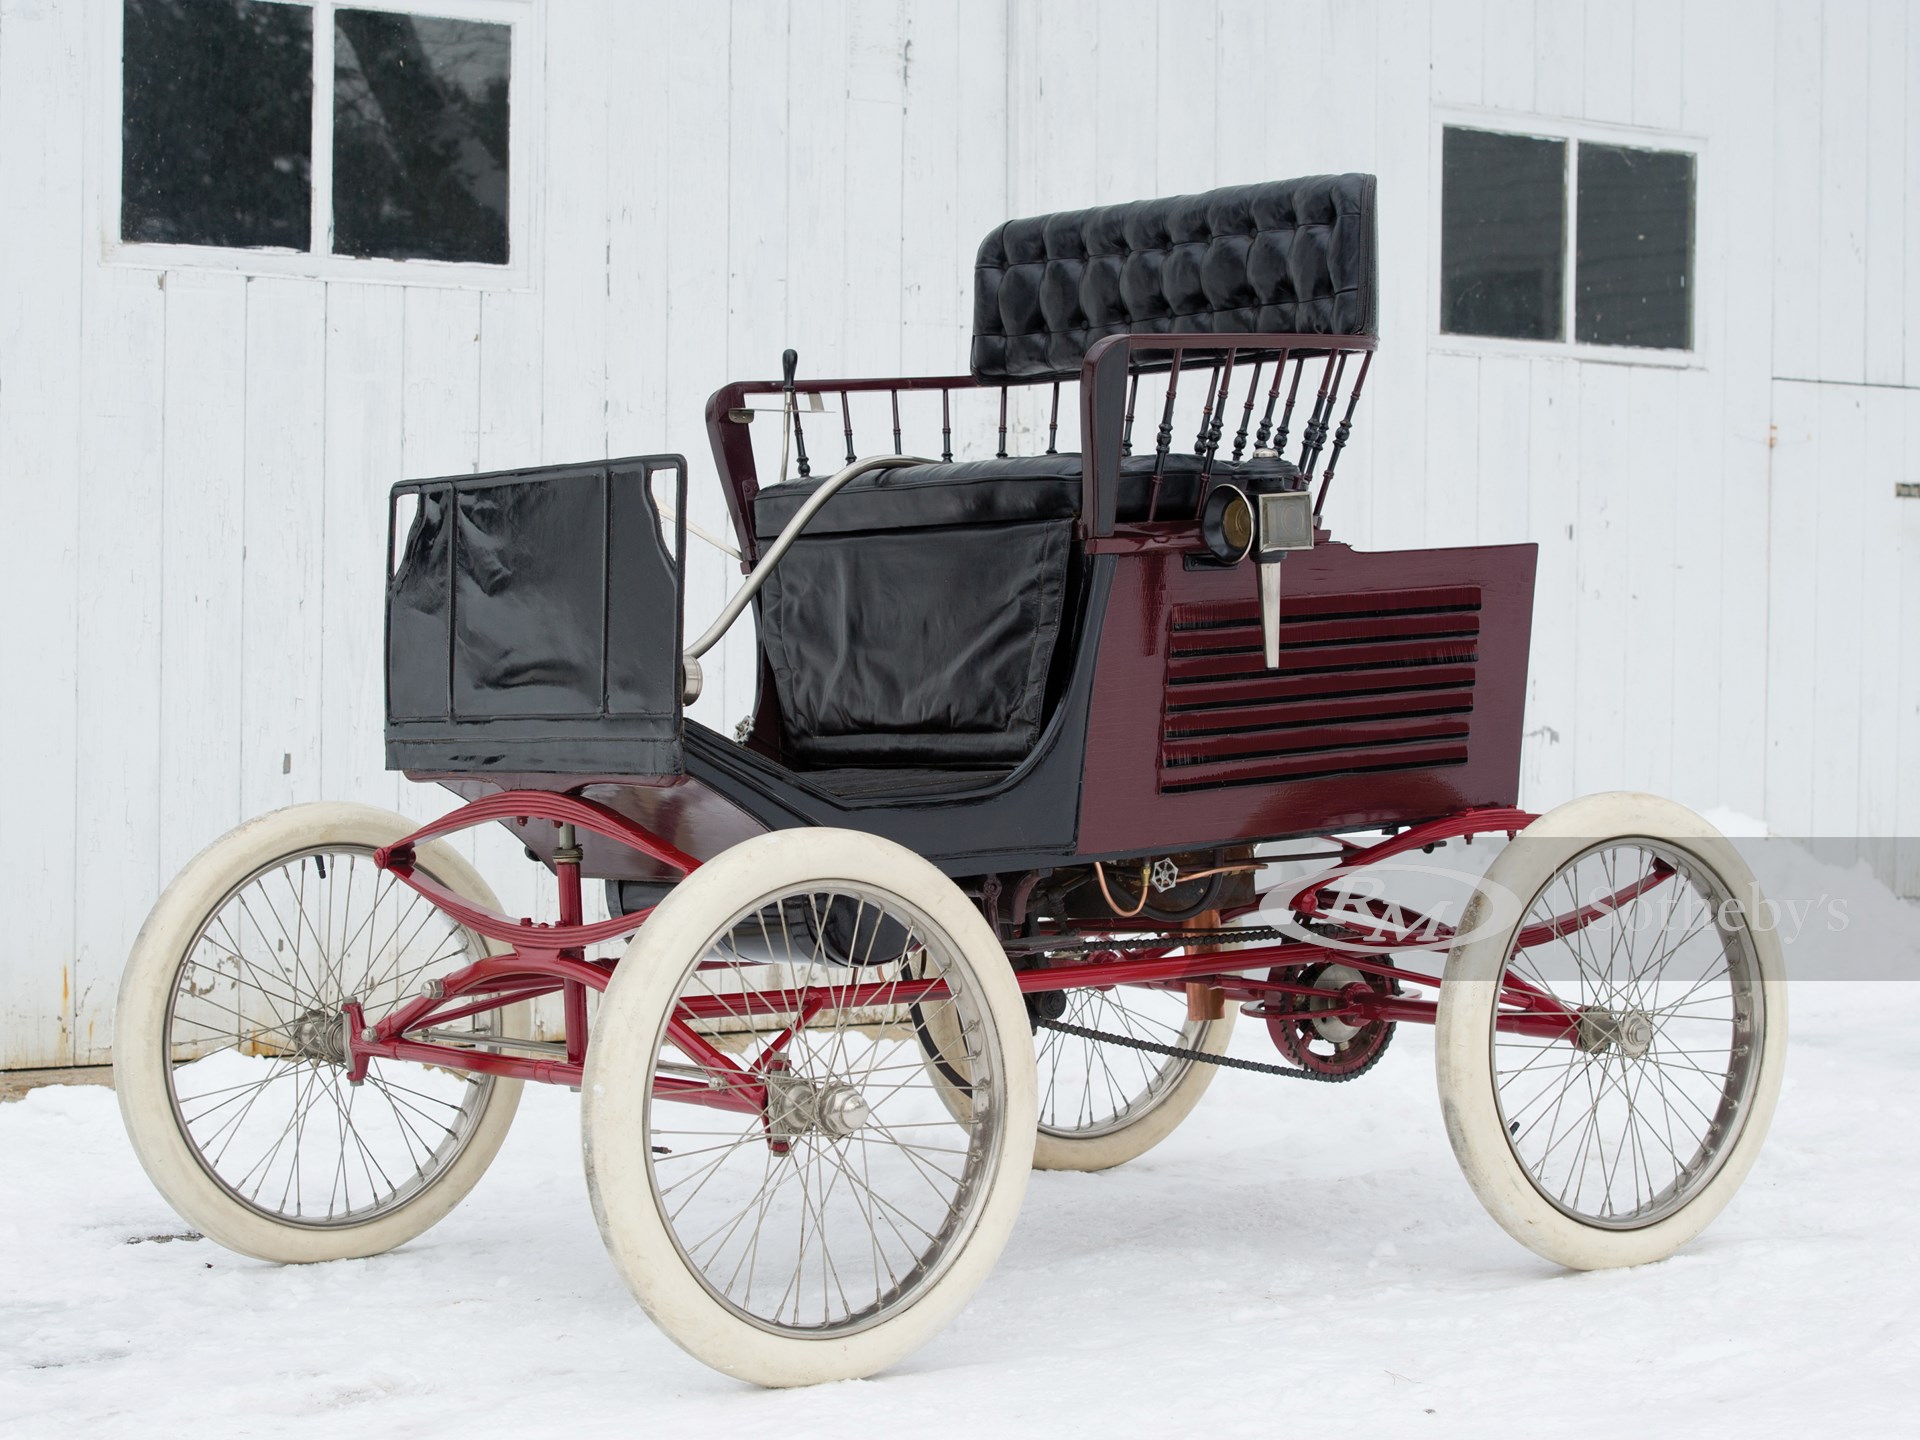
{"x": 750, "y": 1257}
{"x": 279, "y": 924}
{"x": 698, "y": 1179}
{"x": 230, "y": 1127}
{"x": 292, "y": 1001}
{"x": 235, "y": 1094}
{"x": 309, "y": 1096}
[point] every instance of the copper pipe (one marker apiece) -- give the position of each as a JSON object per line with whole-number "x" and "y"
{"x": 1100, "y": 874}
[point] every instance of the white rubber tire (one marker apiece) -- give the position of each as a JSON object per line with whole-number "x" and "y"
{"x": 1463, "y": 1031}
{"x": 632, "y": 1016}
{"x": 140, "y": 1057}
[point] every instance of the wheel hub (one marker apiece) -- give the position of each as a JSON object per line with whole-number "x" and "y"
{"x": 1628, "y": 1031}
{"x": 321, "y": 1036}
{"x": 1636, "y": 1034}
{"x": 797, "y": 1106}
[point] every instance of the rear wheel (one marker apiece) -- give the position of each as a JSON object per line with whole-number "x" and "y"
{"x": 1619, "y": 1139}
{"x": 775, "y": 1172}
{"x": 1103, "y": 1104}
{"x": 229, "y": 1054}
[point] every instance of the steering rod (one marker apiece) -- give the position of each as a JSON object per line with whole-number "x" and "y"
{"x": 690, "y": 661}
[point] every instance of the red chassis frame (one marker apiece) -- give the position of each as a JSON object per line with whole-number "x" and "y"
{"x": 545, "y": 959}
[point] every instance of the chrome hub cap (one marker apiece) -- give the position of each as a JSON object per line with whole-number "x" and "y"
{"x": 1635, "y": 1035}
{"x": 841, "y": 1110}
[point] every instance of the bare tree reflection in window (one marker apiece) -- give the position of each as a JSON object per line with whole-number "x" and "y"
{"x": 420, "y": 137}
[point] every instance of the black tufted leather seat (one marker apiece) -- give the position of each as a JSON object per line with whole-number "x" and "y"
{"x": 1287, "y": 256}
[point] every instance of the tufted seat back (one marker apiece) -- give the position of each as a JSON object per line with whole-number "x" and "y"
{"x": 1287, "y": 256}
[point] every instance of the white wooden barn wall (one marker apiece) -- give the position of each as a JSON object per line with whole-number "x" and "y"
{"x": 195, "y": 463}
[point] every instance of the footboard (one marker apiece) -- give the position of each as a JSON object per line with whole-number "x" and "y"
{"x": 534, "y": 622}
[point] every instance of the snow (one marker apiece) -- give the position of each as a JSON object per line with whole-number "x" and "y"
{"x": 1296, "y": 1258}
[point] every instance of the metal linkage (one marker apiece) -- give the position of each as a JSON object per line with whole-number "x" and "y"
{"x": 827, "y": 489}
{"x": 398, "y": 860}
{"x": 1167, "y": 940}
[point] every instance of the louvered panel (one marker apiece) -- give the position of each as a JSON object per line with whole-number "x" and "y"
{"x": 1366, "y": 684}
{"x": 1355, "y": 655}
{"x": 1226, "y": 639}
{"x": 1317, "y": 710}
{"x": 1207, "y": 614}
{"x": 1314, "y": 739}
{"x": 1275, "y": 769}
{"x": 1276, "y": 685}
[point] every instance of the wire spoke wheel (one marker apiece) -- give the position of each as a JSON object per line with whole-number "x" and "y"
{"x": 255, "y": 1032}
{"x": 1626, "y": 1124}
{"x": 1629, "y": 1128}
{"x": 237, "y": 1061}
{"x": 812, "y": 1184}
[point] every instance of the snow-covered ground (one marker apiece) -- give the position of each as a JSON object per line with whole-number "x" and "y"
{"x": 1296, "y": 1259}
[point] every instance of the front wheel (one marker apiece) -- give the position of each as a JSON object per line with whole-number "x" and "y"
{"x": 1618, "y": 1137}
{"x": 775, "y": 1172}
{"x": 229, "y": 1057}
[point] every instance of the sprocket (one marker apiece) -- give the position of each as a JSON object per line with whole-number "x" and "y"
{"x": 1325, "y": 1043}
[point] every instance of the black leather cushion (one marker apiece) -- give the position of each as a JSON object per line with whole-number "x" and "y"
{"x": 1288, "y": 256}
{"x": 1002, "y": 492}
{"x": 916, "y": 647}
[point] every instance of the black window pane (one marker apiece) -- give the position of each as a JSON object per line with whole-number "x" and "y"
{"x": 217, "y": 123}
{"x": 420, "y": 137}
{"x": 1633, "y": 258}
{"x": 1503, "y": 227}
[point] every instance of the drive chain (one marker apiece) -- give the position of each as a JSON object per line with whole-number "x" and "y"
{"x": 1238, "y": 935}
{"x": 1180, "y": 1052}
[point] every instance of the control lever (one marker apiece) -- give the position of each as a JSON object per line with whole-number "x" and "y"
{"x": 1286, "y": 525}
{"x": 790, "y": 402}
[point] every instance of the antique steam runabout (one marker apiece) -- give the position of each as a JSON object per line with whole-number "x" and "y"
{"x": 1077, "y": 736}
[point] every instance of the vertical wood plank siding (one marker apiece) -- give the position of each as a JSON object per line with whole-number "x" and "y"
{"x": 195, "y": 462}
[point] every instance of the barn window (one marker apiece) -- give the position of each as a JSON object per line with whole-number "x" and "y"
{"x": 358, "y": 130}
{"x": 1511, "y": 203}
{"x": 1633, "y": 258}
{"x": 1503, "y": 235}
{"x": 217, "y": 125}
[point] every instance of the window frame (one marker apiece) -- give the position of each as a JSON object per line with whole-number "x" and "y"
{"x": 524, "y": 151}
{"x": 1573, "y": 134}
